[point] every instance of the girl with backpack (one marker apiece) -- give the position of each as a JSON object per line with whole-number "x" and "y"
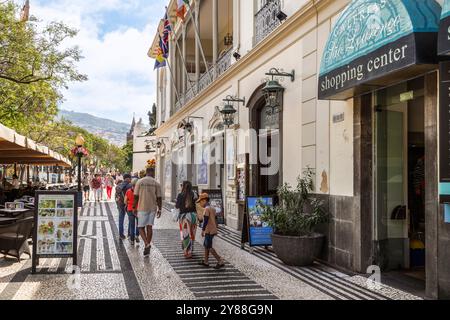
{"x": 187, "y": 218}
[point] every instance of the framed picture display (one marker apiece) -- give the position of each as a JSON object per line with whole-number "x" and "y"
{"x": 231, "y": 155}
{"x": 242, "y": 179}
{"x": 203, "y": 160}
{"x": 167, "y": 177}
{"x": 56, "y": 223}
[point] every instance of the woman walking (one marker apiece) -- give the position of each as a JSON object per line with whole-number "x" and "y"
{"x": 109, "y": 183}
{"x": 187, "y": 218}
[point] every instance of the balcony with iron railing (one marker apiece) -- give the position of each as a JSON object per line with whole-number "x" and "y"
{"x": 215, "y": 71}
{"x": 266, "y": 19}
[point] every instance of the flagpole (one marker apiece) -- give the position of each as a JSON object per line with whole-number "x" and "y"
{"x": 179, "y": 52}
{"x": 197, "y": 34}
{"x": 173, "y": 79}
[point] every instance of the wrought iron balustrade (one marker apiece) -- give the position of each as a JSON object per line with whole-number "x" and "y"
{"x": 266, "y": 19}
{"x": 224, "y": 63}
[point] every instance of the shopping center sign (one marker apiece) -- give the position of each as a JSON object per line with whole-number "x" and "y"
{"x": 374, "y": 39}
{"x": 444, "y": 30}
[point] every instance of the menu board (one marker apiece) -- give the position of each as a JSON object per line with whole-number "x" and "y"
{"x": 260, "y": 234}
{"x": 216, "y": 201}
{"x": 55, "y": 230}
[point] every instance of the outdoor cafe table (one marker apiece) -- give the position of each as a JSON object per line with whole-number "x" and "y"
{"x": 13, "y": 213}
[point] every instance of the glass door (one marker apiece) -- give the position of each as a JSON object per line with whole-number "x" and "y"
{"x": 391, "y": 179}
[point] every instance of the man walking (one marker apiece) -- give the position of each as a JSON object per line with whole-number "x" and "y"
{"x": 121, "y": 190}
{"x": 86, "y": 186}
{"x": 97, "y": 187}
{"x": 147, "y": 204}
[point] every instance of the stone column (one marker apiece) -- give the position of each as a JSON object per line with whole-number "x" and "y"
{"x": 431, "y": 188}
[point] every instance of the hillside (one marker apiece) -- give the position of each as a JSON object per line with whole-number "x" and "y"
{"x": 113, "y": 131}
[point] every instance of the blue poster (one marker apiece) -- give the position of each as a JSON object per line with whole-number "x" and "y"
{"x": 447, "y": 213}
{"x": 260, "y": 234}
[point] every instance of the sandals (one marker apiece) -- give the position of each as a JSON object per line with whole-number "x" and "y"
{"x": 202, "y": 263}
{"x": 220, "y": 265}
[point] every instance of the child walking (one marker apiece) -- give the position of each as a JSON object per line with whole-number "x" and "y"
{"x": 209, "y": 230}
{"x": 133, "y": 230}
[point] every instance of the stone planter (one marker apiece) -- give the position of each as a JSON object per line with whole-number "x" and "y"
{"x": 297, "y": 251}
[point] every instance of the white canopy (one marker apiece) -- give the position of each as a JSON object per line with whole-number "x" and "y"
{"x": 15, "y": 148}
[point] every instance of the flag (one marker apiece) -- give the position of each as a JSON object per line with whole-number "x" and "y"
{"x": 165, "y": 35}
{"x": 25, "y": 14}
{"x": 181, "y": 8}
{"x": 161, "y": 55}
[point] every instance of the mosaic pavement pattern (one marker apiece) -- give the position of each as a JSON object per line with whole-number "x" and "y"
{"x": 114, "y": 269}
{"x": 226, "y": 283}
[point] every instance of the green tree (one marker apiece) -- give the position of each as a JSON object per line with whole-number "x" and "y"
{"x": 33, "y": 69}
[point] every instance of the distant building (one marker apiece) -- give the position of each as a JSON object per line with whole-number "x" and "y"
{"x": 130, "y": 133}
{"x": 143, "y": 148}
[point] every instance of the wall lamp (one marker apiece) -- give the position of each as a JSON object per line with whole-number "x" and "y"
{"x": 159, "y": 143}
{"x": 228, "y": 111}
{"x": 273, "y": 90}
{"x": 237, "y": 56}
{"x": 281, "y": 16}
{"x": 188, "y": 126}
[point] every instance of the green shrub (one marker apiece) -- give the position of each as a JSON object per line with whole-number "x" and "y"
{"x": 298, "y": 212}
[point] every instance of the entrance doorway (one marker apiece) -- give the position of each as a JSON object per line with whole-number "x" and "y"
{"x": 399, "y": 179}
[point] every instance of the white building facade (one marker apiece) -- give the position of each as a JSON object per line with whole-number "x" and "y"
{"x": 335, "y": 134}
{"x": 143, "y": 146}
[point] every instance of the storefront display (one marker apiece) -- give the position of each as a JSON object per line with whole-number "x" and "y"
{"x": 55, "y": 233}
{"x": 216, "y": 201}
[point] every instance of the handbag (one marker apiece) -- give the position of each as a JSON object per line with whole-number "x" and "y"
{"x": 175, "y": 213}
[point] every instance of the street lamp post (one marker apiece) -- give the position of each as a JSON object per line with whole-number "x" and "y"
{"x": 79, "y": 141}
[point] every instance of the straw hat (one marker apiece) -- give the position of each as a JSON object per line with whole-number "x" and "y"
{"x": 203, "y": 196}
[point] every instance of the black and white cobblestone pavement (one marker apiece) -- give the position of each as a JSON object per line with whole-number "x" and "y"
{"x": 113, "y": 269}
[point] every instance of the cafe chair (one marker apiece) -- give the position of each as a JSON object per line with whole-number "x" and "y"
{"x": 14, "y": 238}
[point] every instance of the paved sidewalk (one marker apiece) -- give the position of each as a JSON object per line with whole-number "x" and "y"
{"x": 113, "y": 269}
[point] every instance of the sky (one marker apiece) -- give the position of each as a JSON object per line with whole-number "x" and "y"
{"x": 114, "y": 36}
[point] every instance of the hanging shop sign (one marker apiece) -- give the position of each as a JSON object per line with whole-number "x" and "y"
{"x": 56, "y": 224}
{"x": 444, "y": 30}
{"x": 255, "y": 231}
{"x": 216, "y": 201}
{"x": 376, "y": 41}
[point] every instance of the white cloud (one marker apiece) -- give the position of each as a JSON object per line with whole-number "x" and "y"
{"x": 121, "y": 77}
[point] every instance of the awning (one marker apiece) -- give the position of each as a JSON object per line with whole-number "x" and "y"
{"x": 15, "y": 148}
{"x": 376, "y": 43}
{"x": 444, "y": 30}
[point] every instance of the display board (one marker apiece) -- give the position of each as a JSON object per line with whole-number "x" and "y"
{"x": 216, "y": 201}
{"x": 242, "y": 179}
{"x": 255, "y": 231}
{"x": 55, "y": 229}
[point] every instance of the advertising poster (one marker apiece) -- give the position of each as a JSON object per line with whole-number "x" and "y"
{"x": 168, "y": 178}
{"x": 231, "y": 168}
{"x": 202, "y": 173}
{"x": 55, "y": 224}
{"x": 260, "y": 234}
{"x": 216, "y": 201}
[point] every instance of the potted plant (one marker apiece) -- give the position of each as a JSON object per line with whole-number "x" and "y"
{"x": 294, "y": 221}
